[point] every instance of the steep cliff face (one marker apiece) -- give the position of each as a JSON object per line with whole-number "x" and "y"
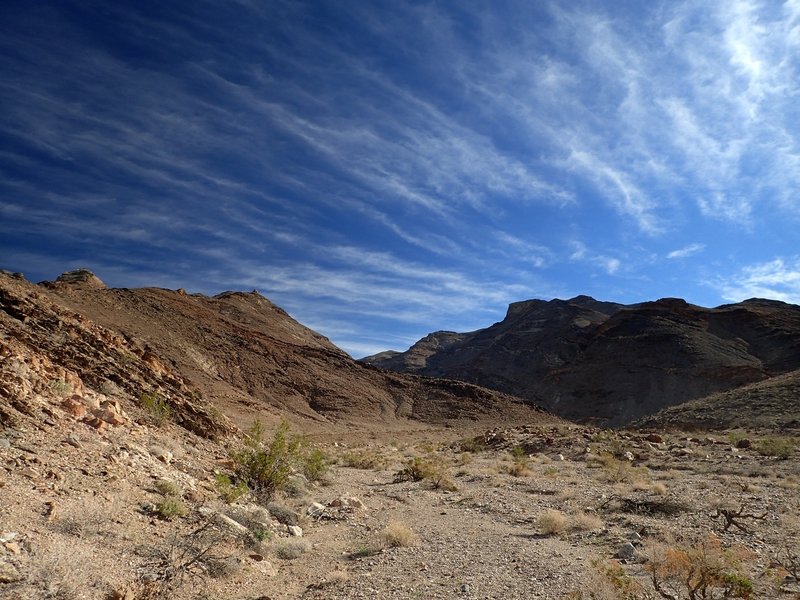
{"x": 599, "y": 361}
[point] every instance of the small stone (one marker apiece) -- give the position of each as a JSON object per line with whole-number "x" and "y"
{"x": 744, "y": 444}
{"x": 73, "y": 440}
{"x": 126, "y": 594}
{"x": 7, "y": 536}
{"x": 628, "y": 456}
{"x": 316, "y": 510}
{"x": 9, "y": 573}
{"x": 655, "y": 438}
{"x": 294, "y": 530}
{"x": 465, "y": 588}
{"x": 626, "y": 551}
{"x": 161, "y": 454}
{"x": 13, "y": 547}
{"x": 29, "y": 472}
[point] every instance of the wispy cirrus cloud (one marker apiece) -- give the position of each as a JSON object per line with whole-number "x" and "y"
{"x": 686, "y": 251}
{"x": 778, "y": 279}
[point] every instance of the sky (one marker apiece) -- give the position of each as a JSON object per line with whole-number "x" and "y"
{"x": 382, "y": 170}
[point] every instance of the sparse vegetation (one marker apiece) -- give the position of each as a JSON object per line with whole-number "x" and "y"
{"x": 776, "y": 446}
{"x": 268, "y": 466}
{"x": 157, "y": 408}
{"x": 429, "y": 468}
{"x": 702, "y": 570}
{"x": 61, "y": 388}
{"x": 167, "y": 488}
{"x": 291, "y": 549}
{"x": 551, "y": 522}
{"x": 171, "y": 507}
{"x": 399, "y": 535}
{"x": 227, "y": 490}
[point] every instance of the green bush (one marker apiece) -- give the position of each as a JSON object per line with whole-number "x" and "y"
{"x": 226, "y": 489}
{"x": 167, "y": 488}
{"x": 171, "y": 507}
{"x": 157, "y": 407}
{"x": 315, "y": 464}
{"x": 267, "y": 466}
{"x": 779, "y": 447}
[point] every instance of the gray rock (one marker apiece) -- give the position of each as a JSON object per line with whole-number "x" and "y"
{"x": 316, "y": 510}
{"x": 626, "y": 551}
{"x": 294, "y": 530}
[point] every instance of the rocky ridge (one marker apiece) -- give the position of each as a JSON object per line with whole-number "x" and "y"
{"x": 608, "y": 363}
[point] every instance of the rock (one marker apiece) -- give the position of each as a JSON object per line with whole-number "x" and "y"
{"x": 5, "y": 443}
{"x": 347, "y": 502}
{"x": 251, "y": 516}
{"x": 225, "y": 522}
{"x": 7, "y": 536}
{"x": 9, "y": 573}
{"x": 744, "y": 443}
{"x": 316, "y": 510}
{"x": 126, "y": 594}
{"x": 654, "y": 438}
{"x": 82, "y": 277}
{"x": 161, "y": 454}
{"x": 626, "y": 551}
{"x": 73, "y": 440}
{"x": 294, "y": 530}
{"x": 628, "y": 456}
{"x": 13, "y": 547}
{"x": 74, "y": 407}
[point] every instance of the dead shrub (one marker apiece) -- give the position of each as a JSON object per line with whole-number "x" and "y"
{"x": 399, "y": 535}
{"x": 551, "y": 522}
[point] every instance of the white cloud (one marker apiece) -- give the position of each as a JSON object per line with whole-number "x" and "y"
{"x": 686, "y": 251}
{"x": 778, "y": 279}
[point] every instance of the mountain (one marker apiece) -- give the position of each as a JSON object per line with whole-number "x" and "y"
{"x": 610, "y": 363}
{"x": 234, "y": 354}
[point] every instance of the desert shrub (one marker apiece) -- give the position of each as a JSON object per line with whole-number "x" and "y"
{"x": 227, "y": 490}
{"x": 167, "y": 488}
{"x": 551, "y": 522}
{"x": 399, "y": 535}
{"x": 268, "y": 466}
{"x": 362, "y": 459}
{"x": 429, "y": 468}
{"x": 315, "y": 464}
{"x": 619, "y": 471}
{"x": 157, "y": 407}
{"x": 60, "y": 388}
{"x": 416, "y": 469}
{"x": 171, "y": 507}
{"x": 291, "y": 549}
{"x": 181, "y": 558}
{"x": 776, "y": 446}
{"x": 582, "y": 521}
{"x": 702, "y": 570}
{"x": 474, "y": 445}
{"x": 262, "y": 534}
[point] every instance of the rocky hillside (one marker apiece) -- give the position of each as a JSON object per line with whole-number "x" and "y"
{"x": 235, "y": 354}
{"x": 773, "y": 404}
{"x": 598, "y": 361}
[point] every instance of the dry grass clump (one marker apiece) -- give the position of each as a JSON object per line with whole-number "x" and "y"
{"x": 363, "y": 458}
{"x": 171, "y": 507}
{"x": 582, "y": 521}
{"x": 399, "y": 535}
{"x": 291, "y": 549}
{"x": 552, "y": 522}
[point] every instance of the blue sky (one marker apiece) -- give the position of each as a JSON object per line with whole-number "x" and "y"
{"x": 382, "y": 170}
